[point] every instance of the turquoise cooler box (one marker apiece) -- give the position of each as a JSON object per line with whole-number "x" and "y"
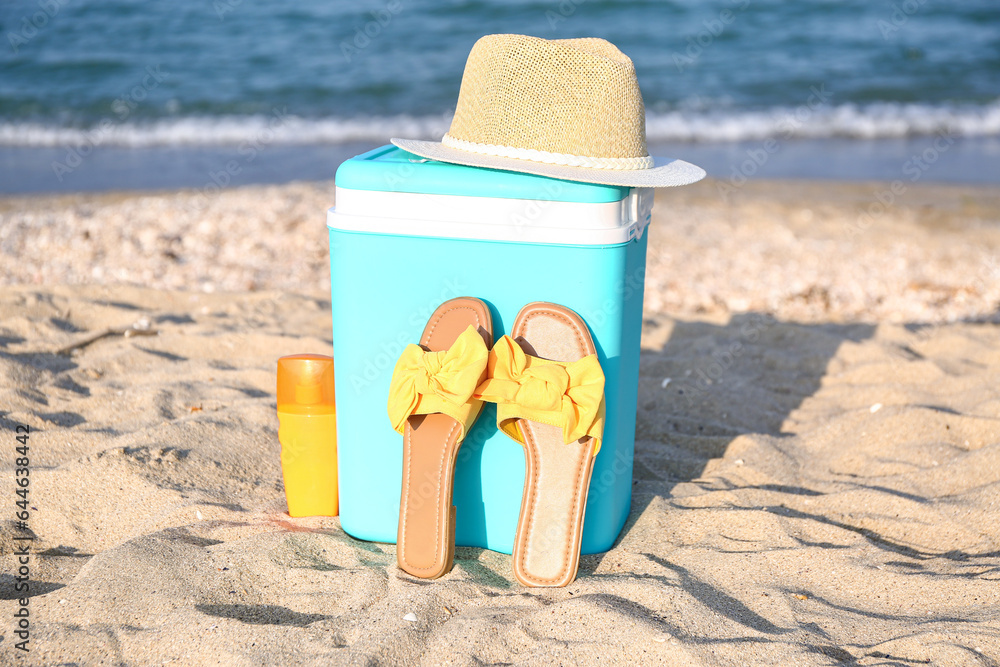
{"x": 408, "y": 233}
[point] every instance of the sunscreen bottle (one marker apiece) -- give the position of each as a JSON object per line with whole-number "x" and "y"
{"x": 307, "y": 430}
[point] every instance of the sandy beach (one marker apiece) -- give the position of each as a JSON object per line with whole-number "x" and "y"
{"x": 817, "y": 465}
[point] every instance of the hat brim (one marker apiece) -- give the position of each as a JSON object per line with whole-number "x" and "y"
{"x": 665, "y": 173}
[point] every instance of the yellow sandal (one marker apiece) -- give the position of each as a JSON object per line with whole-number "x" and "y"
{"x": 549, "y": 389}
{"x": 431, "y": 405}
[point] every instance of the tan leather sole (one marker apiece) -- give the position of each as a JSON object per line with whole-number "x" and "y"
{"x": 557, "y": 475}
{"x": 425, "y": 541}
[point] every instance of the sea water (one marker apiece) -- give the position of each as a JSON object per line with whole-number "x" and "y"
{"x": 211, "y": 93}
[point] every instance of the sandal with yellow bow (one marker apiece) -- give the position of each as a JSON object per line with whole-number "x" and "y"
{"x": 431, "y": 405}
{"x": 549, "y": 389}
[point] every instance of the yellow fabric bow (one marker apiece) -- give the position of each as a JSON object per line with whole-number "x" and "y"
{"x": 566, "y": 394}
{"x": 428, "y": 382}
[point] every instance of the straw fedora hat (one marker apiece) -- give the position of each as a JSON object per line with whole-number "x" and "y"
{"x": 564, "y": 108}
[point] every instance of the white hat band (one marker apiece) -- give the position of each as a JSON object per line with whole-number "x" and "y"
{"x": 563, "y": 159}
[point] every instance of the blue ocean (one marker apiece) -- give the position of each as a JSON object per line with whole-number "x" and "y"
{"x": 113, "y": 94}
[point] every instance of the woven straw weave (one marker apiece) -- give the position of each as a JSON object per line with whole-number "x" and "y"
{"x": 570, "y": 96}
{"x": 566, "y": 108}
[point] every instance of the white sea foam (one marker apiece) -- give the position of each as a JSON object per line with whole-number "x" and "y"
{"x": 874, "y": 121}
{"x": 223, "y": 130}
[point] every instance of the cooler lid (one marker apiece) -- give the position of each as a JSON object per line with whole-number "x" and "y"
{"x": 391, "y": 169}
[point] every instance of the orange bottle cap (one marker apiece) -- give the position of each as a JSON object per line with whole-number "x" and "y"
{"x": 305, "y": 380}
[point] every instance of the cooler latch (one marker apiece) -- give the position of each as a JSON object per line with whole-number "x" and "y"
{"x": 640, "y": 210}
